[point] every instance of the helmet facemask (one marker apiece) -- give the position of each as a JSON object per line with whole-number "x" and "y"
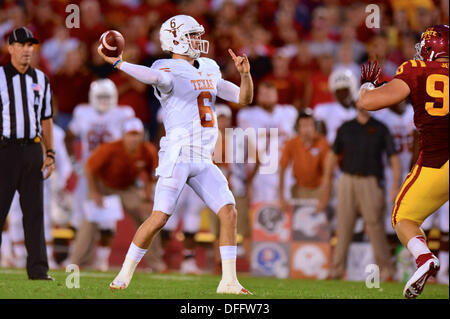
{"x": 196, "y": 44}
{"x": 103, "y": 102}
{"x": 103, "y": 95}
{"x": 418, "y": 47}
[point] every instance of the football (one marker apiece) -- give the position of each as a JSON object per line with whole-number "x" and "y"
{"x": 112, "y": 43}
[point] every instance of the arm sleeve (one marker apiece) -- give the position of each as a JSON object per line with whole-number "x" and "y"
{"x": 228, "y": 91}
{"x": 162, "y": 80}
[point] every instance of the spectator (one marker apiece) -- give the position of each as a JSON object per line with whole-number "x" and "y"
{"x": 307, "y": 151}
{"x": 317, "y": 90}
{"x": 361, "y": 143}
{"x": 74, "y": 72}
{"x": 320, "y": 42}
{"x": 163, "y": 9}
{"x": 346, "y": 60}
{"x": 290, "y": 90}
{"x": 378, "y": 50}
{"x": 97, "y": 66}
{"x": 348, "y": 38}
{"x": 344, "y": 86}
{"x": 259, "y": 50}
{"x": 44, "y": 19}
{"x": 91, "y": 24}
{"x": 131, "y": 91}
{"x": 267, "y": 114}
{"x": 54, "y": 50}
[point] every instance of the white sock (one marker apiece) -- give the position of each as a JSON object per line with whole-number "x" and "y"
{"x": 418, "y": 246}
{"x": 132, "y": 259}
{"x": 5, "y": 248}
{"x": 228, "y": 255}
{"x": 49, "y": 251}
{"x": 443, "y": 258}
{"x": 103, "y": 254}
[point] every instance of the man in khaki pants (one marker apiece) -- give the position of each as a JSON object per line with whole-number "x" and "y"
{"x": 360, "y": 144}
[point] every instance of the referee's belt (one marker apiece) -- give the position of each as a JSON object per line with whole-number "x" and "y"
{"x": 21, "y": 141}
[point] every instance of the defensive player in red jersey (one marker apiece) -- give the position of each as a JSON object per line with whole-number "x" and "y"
{"x": 426, "y": 188}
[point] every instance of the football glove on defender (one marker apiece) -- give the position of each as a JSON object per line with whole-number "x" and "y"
{"x": 370, "y": 73}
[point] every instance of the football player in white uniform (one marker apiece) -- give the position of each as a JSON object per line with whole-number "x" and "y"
{"x": 187, "y": 86}
{"x": 95, "y": 123}
{"x": 268, "y": 114}
{"x": 52, "y": 186}
{"x": 344, "y": 86}
{"x": 188, "y": 210}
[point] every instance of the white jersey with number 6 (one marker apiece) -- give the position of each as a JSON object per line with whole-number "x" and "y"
{"x": 189, "y": 114}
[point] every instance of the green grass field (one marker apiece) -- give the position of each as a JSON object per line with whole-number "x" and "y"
{"x": 94, "y": 285}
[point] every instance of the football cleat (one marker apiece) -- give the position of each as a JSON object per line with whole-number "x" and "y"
{"x": 416, "y": 283}
{"x": 189, "y": 267}
{"x": 102, "y": 266}
{"x": 118, "y": 285}
{"x": 232, "y": 288}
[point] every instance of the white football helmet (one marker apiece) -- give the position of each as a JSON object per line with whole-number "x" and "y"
{"x": 181, "y": 34}
{"x": 103, "y": 95}
{"x": 343, "y": 78}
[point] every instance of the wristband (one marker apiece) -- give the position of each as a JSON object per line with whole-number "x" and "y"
{"x": 367, "y": 85}
{"x": 50, "y": 151}
{"x": 116, "y": 63}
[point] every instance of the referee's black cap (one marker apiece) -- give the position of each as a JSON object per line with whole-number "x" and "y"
{"x": 22, "y": 35}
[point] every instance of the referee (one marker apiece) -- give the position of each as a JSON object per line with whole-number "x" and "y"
{"x": 26, "y": 128}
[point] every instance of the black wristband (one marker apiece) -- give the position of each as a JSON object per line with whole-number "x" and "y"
{"x": 50, "y": 151}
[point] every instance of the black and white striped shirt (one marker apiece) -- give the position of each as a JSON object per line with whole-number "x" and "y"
{"x": 25, "y": 100}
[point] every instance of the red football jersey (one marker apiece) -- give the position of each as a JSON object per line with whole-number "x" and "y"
{"x": 428, "y": 82}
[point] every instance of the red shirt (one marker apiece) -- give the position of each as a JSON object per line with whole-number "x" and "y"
{"x": 71, "y": 90}
{"x": 118, "y": 169}
{"x": 130, "y": 96}
{"x": 428, "y": 82}
{"x": 320, "y": 90}
{"x": 288, "y": 87}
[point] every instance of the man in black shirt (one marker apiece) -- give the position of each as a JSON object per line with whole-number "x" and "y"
{"x": 26, "y": 127}
{"x": 359, "y": 147}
